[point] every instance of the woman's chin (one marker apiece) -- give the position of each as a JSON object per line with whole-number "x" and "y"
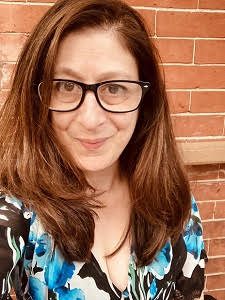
{"x": 94, "y": 164}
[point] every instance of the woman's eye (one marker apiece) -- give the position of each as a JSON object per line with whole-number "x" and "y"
{"x": 68, "y": 86}
{"x": 64, "y": 86}
{"x": 114, "y": 89}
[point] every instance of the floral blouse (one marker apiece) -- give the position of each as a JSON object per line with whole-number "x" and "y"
{"x": 33, "y": 266}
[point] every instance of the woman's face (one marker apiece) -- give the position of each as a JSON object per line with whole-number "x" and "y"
{"x": 94, "y": 137}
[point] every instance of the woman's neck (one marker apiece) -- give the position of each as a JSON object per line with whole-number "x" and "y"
{"x": 112, "y": 186}
{"x": 104, "y": 180}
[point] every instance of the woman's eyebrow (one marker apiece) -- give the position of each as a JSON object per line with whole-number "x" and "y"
{"x": 66, "y": 71}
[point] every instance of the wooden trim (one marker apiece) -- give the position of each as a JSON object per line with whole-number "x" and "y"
{"x": 199, "y": 153}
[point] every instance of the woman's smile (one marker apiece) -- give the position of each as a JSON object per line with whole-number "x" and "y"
{"x": 92, "y": 144}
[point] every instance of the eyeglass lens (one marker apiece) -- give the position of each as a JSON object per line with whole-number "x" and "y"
{"x": 113, "y": 96}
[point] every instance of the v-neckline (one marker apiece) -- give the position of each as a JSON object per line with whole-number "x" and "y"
{"x": 113, "y": 287}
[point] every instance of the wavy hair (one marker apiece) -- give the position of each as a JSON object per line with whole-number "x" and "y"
{"x": 35, "y": 167}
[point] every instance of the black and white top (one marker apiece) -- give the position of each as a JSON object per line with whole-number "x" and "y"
{"x": 35, "y": 268}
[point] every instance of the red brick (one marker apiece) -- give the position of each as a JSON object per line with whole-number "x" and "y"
{"x": 208, "y": 102}
{"x": 6, "y": 72}
{"x": 178, "y": 101}
{"x": 206, "y": 246}
{"x": 152, "y": 3}
{"x": 165, "y": 3}
{"x": 218, "y": 295}
{"x": 218, "y": 4}
{"x": 198, "y": 125}
{"x": 186, "y": 24}
{"x": 209, "y": 190}
{"x": 217, "y": 247}
{"x": 220, "y": 210}
{"x": 195, "y": 77}
{"x": 215, "y": 265}
{"x": 210, "y": 51}
{"x": 10, "y": 46}
{"x": 222, "y": 171}
{"x": 149, "y": 17}
{"x": 175, "y": 50}
{"x": 215, "y": 282}
{"x": 20, "y": 18}
{"x": 206, "y": 210}
{"x": 203, "y": 172}
{"x": 149, "y": 3}
{"x": 214, "y": 229}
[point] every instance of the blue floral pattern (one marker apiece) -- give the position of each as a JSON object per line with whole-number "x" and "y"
{"x": 35, "y": 268}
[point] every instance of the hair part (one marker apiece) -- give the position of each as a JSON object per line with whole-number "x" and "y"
{"x": 36, "y": 168}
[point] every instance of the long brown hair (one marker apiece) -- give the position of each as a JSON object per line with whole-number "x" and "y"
{"x": 36, "y": 169}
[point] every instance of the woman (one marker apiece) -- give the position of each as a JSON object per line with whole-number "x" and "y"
{"x": 95, "y": 203}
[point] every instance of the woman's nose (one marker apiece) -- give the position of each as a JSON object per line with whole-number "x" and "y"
{"x": 90, "y": 114}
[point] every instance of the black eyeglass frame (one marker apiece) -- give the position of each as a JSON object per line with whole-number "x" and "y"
{"x": 94, "y": 87}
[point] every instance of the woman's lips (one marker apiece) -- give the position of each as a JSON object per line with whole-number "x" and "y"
{"x": 92, "y": 144}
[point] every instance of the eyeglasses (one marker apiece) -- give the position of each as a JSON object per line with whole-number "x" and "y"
{"x": 117, "y": 96}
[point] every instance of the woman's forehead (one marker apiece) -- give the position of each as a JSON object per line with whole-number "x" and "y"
{"x": 97, "y": 52}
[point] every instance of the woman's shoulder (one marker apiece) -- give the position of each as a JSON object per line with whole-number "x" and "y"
{"x": 193, "y": 232}
{"x": 14, "y": 216}
{"x": 14, "y": 231}
{"x": 190, "y": 249}
{"x": 190, "y": 242}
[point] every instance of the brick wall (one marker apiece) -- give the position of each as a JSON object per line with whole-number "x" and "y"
{"x": 190, "y": 35}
